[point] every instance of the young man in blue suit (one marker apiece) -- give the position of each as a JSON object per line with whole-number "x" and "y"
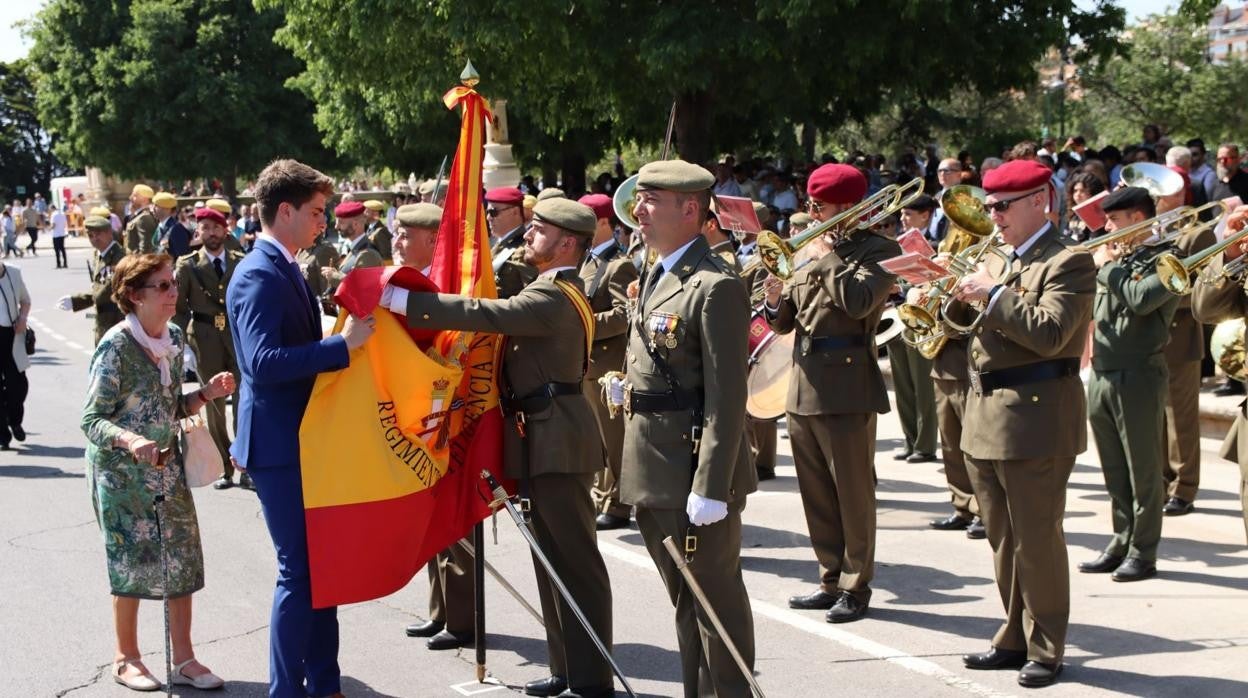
{"x": 277, "y": 336}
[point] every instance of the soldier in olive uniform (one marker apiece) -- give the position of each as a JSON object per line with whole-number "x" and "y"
{"x": 1218, "y": 301}
{"x": 912, "y": 383}
{"x": 834, "y": 305}
{"x": 321, "y": 255}
{"x": 350, "y": 221}
{"x": 376, "y": 230}
{"x": 1026, "y": 418}
{"x": 142, "y": 224}
{"x": 686, "y": 465}
{"x": 762, "y": 432}
{"x": 505, "y": 213}
{"x": 202, "y": 278}
{"x": 223, "y": 207}
{"x": 1126, "y": 410}
{"x": 107, "y": 254}
{"x": 552, "y": 445}
{"x": 606, "y": 274}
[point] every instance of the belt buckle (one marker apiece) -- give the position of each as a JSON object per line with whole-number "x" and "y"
{"x": 628, "y": 400}
{"x": 976, "y": 385}
{"x": 804, "y": 343}
{"x": 219, "y": 322}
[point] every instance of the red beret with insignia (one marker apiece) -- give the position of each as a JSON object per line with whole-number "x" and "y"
{"x": 837, "y": 184}
{"x": 348, "y": 209}
{"x": 601, "y": 203}
{"x": 1017, "y": 175}
{"x": 507, "y": 196}
{"x": 211, "y": 214}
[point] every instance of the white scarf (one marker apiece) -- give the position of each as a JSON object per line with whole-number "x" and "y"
{"x": 161, "y": 347}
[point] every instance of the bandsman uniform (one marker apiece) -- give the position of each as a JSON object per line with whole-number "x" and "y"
{"x": 836, "y": 390}
{"x": 950, "y": 385}
{"x": 762, "y": 432}
{"x": 377, "y": 232}
{"x": 685, "y": 450}
{"x": 107, "y": 313}
{"x": 141, "y": 227}
{"x": 552, "y": 445}
{"x": 511, "y": 274}
{"x": 201, "y": 313}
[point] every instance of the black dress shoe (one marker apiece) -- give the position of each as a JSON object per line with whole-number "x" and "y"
{"x": 549, "y": 686}
{"x": 1133, "y": 569}
{"x": 846, "y": 610}
{"x": 589, "y": 692}
{"x": 1230, "y": 387}
{"x": 976, "y": 530}
{"x": 447, "y": 640}
{"x": 1104, "y": 563}
{"x": 765, "y": 474}
{"x": 818, "y": 599}
{"x": 902, "y": 455}
{"x": 427, "y": 629}
{"x": 953, "y": 522}
{"x": 1177, "y": 507}
{"x": 244, "y": 481}
{"x": 917, "y": 457}
{"x": 610, "y": 522}
{"x": 1037, "y": 674}
{"x": 223, "y": 483}
{"x": 995, "y": 658}
{"x": 18, "y": 432}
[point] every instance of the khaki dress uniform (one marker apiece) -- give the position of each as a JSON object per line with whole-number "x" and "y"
{"x": 107, "y": 313}
{"x": 684, "y": 432}
{"x": 950, "y": 384}
{"x": 511, "y": 274}
{"x": 606, "y": 278}
{"x": 139, "y": 231}
{"x": 451, "y": 599}
{"x": 379, "y": 235}
{"x": 1213, "y": 303}
{"x": 762, "y": 432}
{"x": 312, "y": 260}
{"x": 361, "y": 255}
{"x": 544, "y": 350}
{"x": 836, "y": 389}
{"x": 1183, "y": 355}
{"x": 1025, "y": 421}
{"x": 915, "y": 394}
{"x": 1132, "y": 313}
{"x": 202, "y": 316}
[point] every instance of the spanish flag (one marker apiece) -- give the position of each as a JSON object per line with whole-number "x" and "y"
{"x": 393, "y": 446}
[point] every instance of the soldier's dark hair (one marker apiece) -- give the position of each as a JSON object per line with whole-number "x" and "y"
{"x": 288, "y": 182}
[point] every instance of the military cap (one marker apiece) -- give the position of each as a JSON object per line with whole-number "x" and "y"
{"x": 762, "y": 213}
{"x": 601, "y": 204}
{"x": 1017, "y": 175}
{"x": 674, "y": 175}
{"x": 530, "y": 201}
{"x": 801, "y": 219}
{"x": 101, "y": 211}
{"x": 375, "y": 205}
{"x": 507, "y": 196}
{"x": 211, "y": 214}
{"x": 1127, "y": 199}
{"x": 94, "y": 222}
{"x": 567, "y": 214}
{"x": 165, "y": 199}
{"x": 922, "y": 202}
{"x": 143, "y": 190}
{"x": 424, "y": 215}
{"x": 551, "y": 193}
{"x": 219, "y": 205}
{"x": 836, "y": 183}
{"x": 348, "y": 209}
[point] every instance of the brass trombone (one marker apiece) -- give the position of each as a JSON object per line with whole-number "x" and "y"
{"x": 1167, "y": 226}
{"x": 1176, "y": 274}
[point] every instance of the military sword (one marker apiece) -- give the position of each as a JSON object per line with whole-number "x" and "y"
{"x": 506, "y": 585}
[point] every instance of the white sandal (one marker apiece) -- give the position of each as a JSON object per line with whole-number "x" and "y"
{"x": 142, "y": 682}
{"x": 206, "y": 681}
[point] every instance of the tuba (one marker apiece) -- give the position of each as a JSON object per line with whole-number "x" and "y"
{"x": 1226, "y": 345}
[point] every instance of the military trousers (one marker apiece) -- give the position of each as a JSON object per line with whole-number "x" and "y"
{"x": 1022, "y": 503}
{"x": 208, "y": 363}
{"x": 606, "y": 490}
{"x": 950, "y": 407}
{"x": 562, "y": 521}
{"x": 451, "y": 598}
{"x": 1182, "y": 468}
{"x": 707, "y": 668}
{"x": 915, "y": 397}
{"x": 1126, "y": 411}
{"x": 834, "y": 455}
{"x": 1236, "y": 448}
{"x": 762, "y": 437}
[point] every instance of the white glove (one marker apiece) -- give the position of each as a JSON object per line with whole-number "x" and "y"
{"x": 615, "y": 392}
{"x": 64, "y": 303}
{"x": 703, "y": 511}
{"x": 394, "y": 299}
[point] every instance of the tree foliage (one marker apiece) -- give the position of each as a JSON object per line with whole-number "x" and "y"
{"x": 169, "y": 89}
{"x": 26, "y": 158}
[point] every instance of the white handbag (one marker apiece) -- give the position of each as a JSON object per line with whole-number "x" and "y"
{"x": 200, "y": 458}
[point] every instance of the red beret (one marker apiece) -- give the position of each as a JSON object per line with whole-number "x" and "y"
{"x": 837, "y": 184}
{"x": 348, "y": 209}
{"x": 508, "y": 196}
{"x": 211, "y": 214}
{"x": 1017, "y": 175}
{"x": 601, "y": 203}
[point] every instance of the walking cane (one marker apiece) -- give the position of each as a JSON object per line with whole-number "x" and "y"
{"x": 164, "y": 569}
{"x": 683, "y": 565}
{"x": 501, "y": 498}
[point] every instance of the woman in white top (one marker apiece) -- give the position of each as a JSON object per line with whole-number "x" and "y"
{"x": 14, "y": 309}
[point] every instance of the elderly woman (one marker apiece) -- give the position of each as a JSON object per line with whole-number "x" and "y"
{"x": 131, "y": 420}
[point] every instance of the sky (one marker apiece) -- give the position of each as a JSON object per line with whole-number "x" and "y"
{"x": 13, "y": 46}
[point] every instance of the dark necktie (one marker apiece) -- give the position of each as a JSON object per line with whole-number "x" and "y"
{"x": 220, "y": 267}
{"x": 656, "y": 274}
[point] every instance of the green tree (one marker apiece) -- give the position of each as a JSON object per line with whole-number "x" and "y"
{"x": 169, "y": 89}
{"x": 26, "y": 158}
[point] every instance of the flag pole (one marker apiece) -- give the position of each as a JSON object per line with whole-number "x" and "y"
{"x": 478, "y": 588}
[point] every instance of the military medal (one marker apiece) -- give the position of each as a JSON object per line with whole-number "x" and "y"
{"x": 663, "y": 329}
{"x": 670, "y": 343}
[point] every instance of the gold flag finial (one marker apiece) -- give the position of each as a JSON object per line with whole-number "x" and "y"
{"x": 469, "y": 77}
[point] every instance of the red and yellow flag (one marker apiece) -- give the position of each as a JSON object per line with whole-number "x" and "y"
{"x": 393, "y": 446}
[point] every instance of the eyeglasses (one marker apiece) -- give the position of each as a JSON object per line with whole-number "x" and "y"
{"x": 493, "y": 212}
{"x": 163, "y": 286}
{"x": 813, "y": 206}
{"x": 947, "y": 170}
{"x": 1004, "y": 205}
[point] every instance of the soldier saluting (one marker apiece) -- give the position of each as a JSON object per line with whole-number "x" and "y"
{"x": 107, "y": 254}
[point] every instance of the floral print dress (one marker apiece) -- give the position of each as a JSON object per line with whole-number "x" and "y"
{"x": 125, "y": 394}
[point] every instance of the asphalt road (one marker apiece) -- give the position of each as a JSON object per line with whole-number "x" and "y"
{"x": 1185, "y": 632}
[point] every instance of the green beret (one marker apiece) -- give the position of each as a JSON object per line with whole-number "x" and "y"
{"x": 420, "y": 215}
{"x": 763, "y": 213}
{"x": 551, "y": 193}
{"x": 674, "y": 175}
{"x": 573, "y": 217}
{"x": 97, "y": 223}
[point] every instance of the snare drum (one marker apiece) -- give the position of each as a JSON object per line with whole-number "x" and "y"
{"x": 771, "y": 362}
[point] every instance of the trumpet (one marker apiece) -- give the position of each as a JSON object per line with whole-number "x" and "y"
{"x": 1176, "y": 274}
{"x": 776, "y": 253}
{"x": 1231, "y": 271}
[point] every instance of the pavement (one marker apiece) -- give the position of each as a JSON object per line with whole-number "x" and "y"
{"x": 1185, "y": 632}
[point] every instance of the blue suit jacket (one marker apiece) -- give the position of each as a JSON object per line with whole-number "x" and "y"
{"x": 277, "y": 337}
